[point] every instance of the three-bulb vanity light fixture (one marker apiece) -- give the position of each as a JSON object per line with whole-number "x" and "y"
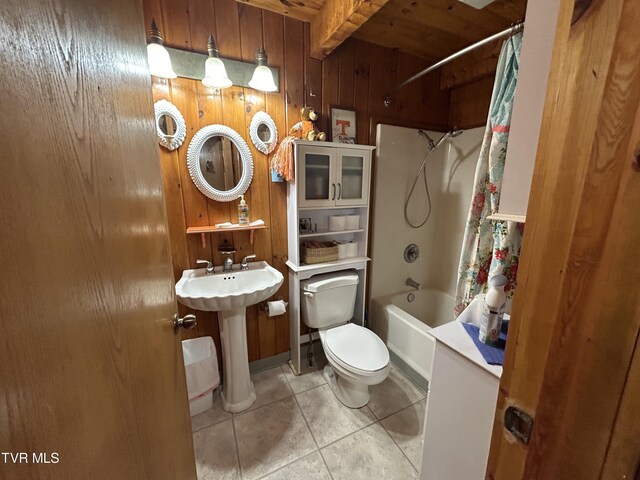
{"x": 214, "y": 72}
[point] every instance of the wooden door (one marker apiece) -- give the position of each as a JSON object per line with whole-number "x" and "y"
{"x": 572, "y": 360}
{"x": 91, "y": 374}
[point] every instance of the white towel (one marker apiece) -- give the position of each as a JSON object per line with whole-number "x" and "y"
{"x": 255, "y": 223}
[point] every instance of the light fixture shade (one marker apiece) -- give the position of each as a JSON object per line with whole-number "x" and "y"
{"x": 159, "y": 61}
{"x": 215, "y": 74}
{"x": 262, "y": 77}
{"x": 157, "y": 55}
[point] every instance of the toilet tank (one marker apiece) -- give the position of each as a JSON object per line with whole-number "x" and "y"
{"x": 329, "y": 299}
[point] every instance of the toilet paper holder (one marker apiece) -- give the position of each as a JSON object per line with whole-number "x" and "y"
{"x": 264, "y": 306}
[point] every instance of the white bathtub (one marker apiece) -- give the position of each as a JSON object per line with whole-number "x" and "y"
{"x": 403, "y": 325}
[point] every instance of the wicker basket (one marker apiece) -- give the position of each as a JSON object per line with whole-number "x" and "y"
{"x": 319, "y": 252}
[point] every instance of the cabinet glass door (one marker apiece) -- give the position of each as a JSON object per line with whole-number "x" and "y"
{"x": 353, "y": 177}
{"x": 316, "y": 178}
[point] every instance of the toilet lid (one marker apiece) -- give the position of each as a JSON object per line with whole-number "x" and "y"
{"x": 358, "y": 347}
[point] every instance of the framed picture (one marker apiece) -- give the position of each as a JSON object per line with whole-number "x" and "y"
{"x": 343, "y": 124}
{"x": 305, "y": 225}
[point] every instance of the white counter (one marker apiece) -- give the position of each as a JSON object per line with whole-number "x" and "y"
{"x": 454, "y": 336}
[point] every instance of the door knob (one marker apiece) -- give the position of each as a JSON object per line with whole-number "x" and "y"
{"x": 186, "y": 322}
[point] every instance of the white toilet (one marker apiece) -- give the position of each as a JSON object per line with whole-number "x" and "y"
{"x": 357, "y": 357}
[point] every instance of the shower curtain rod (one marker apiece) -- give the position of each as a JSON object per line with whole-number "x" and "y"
{"x": 518, "y": 27}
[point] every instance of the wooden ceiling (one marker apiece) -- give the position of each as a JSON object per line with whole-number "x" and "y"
{"x": 332, "y": 21}
{"x": 305, "y": 10}
{"x": 431, "y": 29}
{"x": 434, "y": 29}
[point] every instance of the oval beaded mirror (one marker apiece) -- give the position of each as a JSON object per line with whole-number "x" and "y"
{"x": 220, "y": 163}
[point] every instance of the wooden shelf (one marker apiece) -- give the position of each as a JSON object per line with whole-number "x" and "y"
{"x": 323, "y": 233}
{"x": 213, "y": 229}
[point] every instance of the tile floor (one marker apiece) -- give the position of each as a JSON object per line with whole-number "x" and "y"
{"x": 297, "y": 429}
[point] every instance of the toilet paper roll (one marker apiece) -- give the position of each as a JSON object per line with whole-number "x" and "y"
{"x": 347, "y": 250}
{"x": 352, "y": 222}
{"x": 337, "y": 223}
{"x": 277, "y": 307}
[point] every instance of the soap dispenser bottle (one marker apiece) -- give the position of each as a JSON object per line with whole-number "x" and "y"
{"x": 493, "y": 311}
{"x": 243, "y": 212}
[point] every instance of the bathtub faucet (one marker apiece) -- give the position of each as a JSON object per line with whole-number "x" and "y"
{"x": 412, "y": 283}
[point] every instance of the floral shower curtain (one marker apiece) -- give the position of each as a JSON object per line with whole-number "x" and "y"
{"x": 491, "y": 247}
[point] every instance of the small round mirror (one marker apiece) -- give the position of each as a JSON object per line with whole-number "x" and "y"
{"x": 170, "y": 125}
{"x": 220, "y": 163}
{"x": 167, "y": 125}
{"x": 263, "y": 132}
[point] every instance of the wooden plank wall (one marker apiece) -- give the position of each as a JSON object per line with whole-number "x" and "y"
{"x": 469, "y": 104}
{"x": 238, "y": 29}
{"x": 470, "y": 81}
{"x": 359, "y": 74}
{"x": 471, "y": 67}
{"x": 355, "y": 75}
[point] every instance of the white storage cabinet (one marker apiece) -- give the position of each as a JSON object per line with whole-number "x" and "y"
{"x": 330, "y": 179}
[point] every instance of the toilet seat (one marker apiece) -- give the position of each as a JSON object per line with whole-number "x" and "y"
{"x": 356, "y": 349}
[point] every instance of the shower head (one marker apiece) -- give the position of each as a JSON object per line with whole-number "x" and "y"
{"x": 432, "y": 144}
{"x": 455, "y": 133}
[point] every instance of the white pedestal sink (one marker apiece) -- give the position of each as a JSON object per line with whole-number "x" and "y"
{"x": 229, "y": 294}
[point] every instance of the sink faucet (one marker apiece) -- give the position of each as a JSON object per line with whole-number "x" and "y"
{"x": 412, "y": 283}
{"x": 227, "y": 265}
{"x": 244, "y": 265}
{"x": 210, "y": 267}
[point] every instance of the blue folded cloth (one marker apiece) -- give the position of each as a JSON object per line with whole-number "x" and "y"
{"x": 493, "y": 355}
